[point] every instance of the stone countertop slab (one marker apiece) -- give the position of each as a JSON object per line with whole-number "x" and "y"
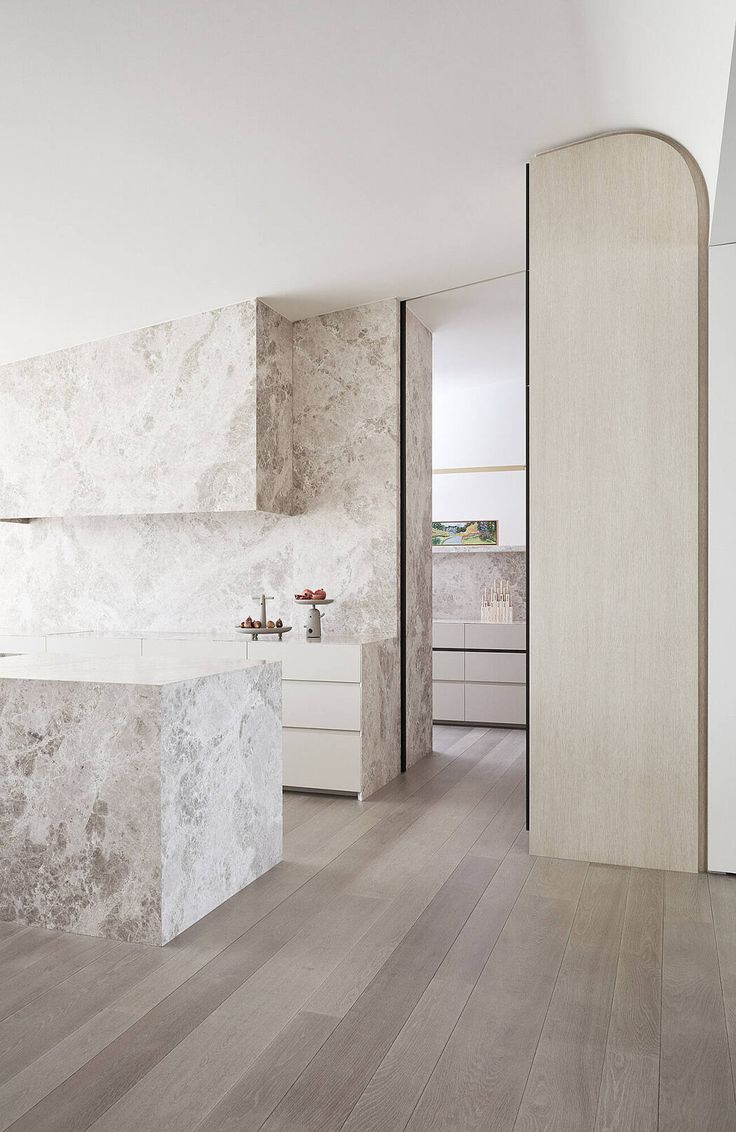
{"x": 293, "y": 637}
{"x": 153, "y": 671}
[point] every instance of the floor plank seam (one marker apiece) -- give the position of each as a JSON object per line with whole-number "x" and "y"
{"x": 522, "y": 1092}
{"x": 27, "y": 971}
{"x": 613, "y": 996}
{"x": 723, "y": 993}
{"x": 661, "y": 1004}
{"x": 439, "y": 964}
{"x": 467, "y": 1001}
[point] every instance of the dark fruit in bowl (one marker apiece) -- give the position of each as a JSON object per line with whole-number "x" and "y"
{"x": 279, "y": 624}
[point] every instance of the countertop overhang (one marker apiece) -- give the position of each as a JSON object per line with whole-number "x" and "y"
{"x": 117, "y": 670}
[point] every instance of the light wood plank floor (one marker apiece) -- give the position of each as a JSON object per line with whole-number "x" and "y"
{"x": 407, "y": 966}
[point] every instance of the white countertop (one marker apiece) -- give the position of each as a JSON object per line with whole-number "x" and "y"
{"x": 470, "y": 621}
{"x": 296, "y": 636}
{"x": 116, "y": 670}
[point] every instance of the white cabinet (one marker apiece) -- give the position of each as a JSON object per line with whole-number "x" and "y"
{"x": 338, "y": 737}
{"x": 479, "y": 673}
{"x": 448, "y": 701}
{"x": 496, "y": 667}
{"x": 322, "y": 760}
{"x": 311, "y": 660}
{"x": 329, "y": 705}
{"x": 448, "y": 665}
{"x": 495, "y": 703}
{"x": 482, "y": 636}
{"x": 448, "y": 635}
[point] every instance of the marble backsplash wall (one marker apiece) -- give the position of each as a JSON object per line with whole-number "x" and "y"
{"x": 199, "y": 571}
{"x": 458, "y": 578}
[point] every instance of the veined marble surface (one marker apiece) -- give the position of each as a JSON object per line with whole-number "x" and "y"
{"x": 199, "y": 572}
{"x": 458, "y": 580}
{"x": 346, "y": 463}
{"x": 221, "y": 775}
{"x": 418, "y": 540}
{"x": 158, "y": 420}
{"x": 130, "y": 810}
{"x": 380, "y": 713}
{"x": 114, "y": 670}
{"x": 274, "y": 411}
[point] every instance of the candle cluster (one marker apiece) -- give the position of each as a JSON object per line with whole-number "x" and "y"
{"x": 496, "y": 604}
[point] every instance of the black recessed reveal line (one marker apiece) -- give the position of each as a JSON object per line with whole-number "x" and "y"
{"x": 402, "y": 524}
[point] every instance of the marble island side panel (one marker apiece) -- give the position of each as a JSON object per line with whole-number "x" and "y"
{"x": 131, "y": 810}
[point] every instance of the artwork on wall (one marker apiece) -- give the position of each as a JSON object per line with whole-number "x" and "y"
{"x": 470, "y": 532}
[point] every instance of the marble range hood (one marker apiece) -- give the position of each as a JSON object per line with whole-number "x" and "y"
{"x": 193, "y": 415}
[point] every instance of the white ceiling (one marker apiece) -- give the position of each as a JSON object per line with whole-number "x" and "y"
{"x": 166, "y": 156}
{"x": 478, "y": 332}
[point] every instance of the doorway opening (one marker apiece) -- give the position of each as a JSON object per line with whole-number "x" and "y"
{"x": 476, "y": 551}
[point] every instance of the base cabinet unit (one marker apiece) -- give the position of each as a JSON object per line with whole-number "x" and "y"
{"x": 341, "y": 696}
{"x": 341, "y": 712}
{"x": 448, "y": 701}
{"x": 479, "y": 673}
{"x": 322, "y": 760}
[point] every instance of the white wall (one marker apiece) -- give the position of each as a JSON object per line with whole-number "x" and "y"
{"x": 722, "y": 555}
{"x": 481, "y": 426}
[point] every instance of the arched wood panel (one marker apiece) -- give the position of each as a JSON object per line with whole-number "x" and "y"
{"x": 617, "y": 371}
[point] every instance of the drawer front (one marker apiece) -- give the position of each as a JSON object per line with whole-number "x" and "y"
{"x": 448, "y": 666}
{"x": 322, "y": 760}
{"x": 187, "y": 647}
{"x": 20, "y": 642}
{"x": 332, "y": 706}
{"x": 503, "y": 667}
{"x": 448, "y": 701}
{"x": 447, "y": 634}
{"x": 495, "y": 703}
{"x": 496, "y": 636}
{"x": 93, "y": 646}
{"x": 313, "y": 660}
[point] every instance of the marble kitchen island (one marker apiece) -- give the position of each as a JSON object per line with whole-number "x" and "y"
{"x": 137, "y": 794}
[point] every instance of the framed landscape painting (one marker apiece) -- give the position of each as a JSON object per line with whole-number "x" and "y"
{"x": 470, "y": 532}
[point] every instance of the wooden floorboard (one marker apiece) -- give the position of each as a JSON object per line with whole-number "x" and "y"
{"x": 629, "y": 1095}
{"x": 562, "y": 1092}
{"x": 479, "y": 1079}
{"x": 407, "y": 966}
{"x": 696, "y": 1083}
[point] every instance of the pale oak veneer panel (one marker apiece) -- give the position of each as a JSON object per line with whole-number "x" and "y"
{"x": 617, "y": 237}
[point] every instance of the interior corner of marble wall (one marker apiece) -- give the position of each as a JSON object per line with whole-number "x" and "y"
{"x": 274, "y": 411}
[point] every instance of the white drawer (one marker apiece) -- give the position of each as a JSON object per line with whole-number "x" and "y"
{"x": 322, "y": 760}
{"x": 511, "y": 636}
{"x": 448, "y": 666}
{"x": 80, "y": 645}
{"x": 504, "y": 667}
{"x": 495, "y": 703}
{"x": 448, "y": 701}
{"x": 313, "y": 660}
{"x": 332, "y": 706}
{"x": 189, "y": 647}
{"x": 22, "y": 642}
{"x": 447, "y": 635}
